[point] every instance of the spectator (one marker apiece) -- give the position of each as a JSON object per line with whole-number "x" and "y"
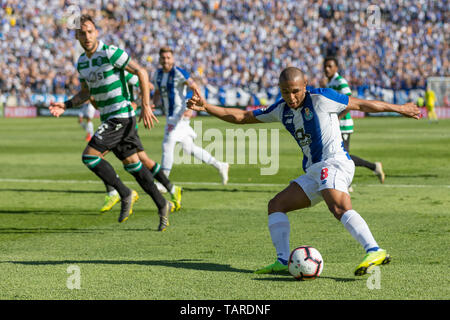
{"x": 242, "y": 43}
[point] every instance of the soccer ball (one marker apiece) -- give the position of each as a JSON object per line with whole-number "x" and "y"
{"x": 305, "y": 263}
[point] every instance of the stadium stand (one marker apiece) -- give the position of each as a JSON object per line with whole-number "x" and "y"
{"x": 230, "y": 43}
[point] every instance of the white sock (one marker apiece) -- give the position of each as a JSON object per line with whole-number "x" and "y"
{"x": 359, "y": 229}
{"x": 166, "y": 172}
{"x": 90, "y": 128}
{"x": 280, "y": 228}
{"x": 112, "y": 193}
{"x": 172, "y": 191}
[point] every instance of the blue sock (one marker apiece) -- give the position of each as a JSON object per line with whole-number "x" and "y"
{"x": 283, "y": 261}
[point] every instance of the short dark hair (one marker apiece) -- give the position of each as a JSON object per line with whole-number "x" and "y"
{"x": 86, "y": 18}
{"x": 290, "y": 74}
{"x": 331, "y": 58}
{"x": 165, "y": 49}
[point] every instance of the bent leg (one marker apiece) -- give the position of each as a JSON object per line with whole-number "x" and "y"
{"x": 156, "y": 171}
{"x": 290, "y": 199}
{"x": 144, "y": 177}
{"x": 340, "y": 205}
{"x": 93, "y": 159}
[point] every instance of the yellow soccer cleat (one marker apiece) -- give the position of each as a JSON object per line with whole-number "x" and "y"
{"x": 371, "y": 259}
{"x": 110, "y": 202}
{"x": 176, "y": 197}
{"x": 273, "y": 268}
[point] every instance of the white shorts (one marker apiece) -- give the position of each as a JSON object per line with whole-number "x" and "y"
{"x": 336, "y": 173}
{"x": 87, "y": 111}
{"x": 181, "y": 130}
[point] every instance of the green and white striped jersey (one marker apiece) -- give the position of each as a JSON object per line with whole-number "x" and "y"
{"x": 105, "y": 75}
{"x": 339, "y": 84}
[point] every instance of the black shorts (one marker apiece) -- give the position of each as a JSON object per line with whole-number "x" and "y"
{"x": 119, "y": 136}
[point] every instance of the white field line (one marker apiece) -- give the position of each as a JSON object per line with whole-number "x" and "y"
{"x": 186, "y": 183}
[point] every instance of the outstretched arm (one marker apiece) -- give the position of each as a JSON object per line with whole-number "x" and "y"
{"x": 409, "y": 109}
{"x": 232, "y": 115}
{"x": 146, "y": 113}
{"x": 58, "y": 108}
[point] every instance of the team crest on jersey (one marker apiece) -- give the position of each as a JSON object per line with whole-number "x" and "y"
{"x": 308, "y": 114}
{"x": 99, "y": 61}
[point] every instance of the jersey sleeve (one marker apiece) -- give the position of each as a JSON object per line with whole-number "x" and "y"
{"x": 330, "y": 100}
{"x": 343, "y": 87}
{"x": 132, "y": 79}
{"x": 117, "y": 57}
{"x": 269, "y": 114}
{"x": 181, "y": 76}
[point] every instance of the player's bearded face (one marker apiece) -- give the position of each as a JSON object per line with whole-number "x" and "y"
{"x": 87, "y": 36}
{"x": 293, "y": 92}
{"x": 166, "y": 60}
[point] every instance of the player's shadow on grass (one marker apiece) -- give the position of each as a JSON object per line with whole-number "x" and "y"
{"x": 406, "y": 176}
{"x": 225, "y": 190}
{"x": 192, "y": 264}
{"x": 49, "y": 230}
{"x": 49, "y": 190}
{"x": 288, "y": 278}
{"x": 47, "y": 211}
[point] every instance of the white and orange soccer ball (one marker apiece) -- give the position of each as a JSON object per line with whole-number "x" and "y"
{"x": 305, "y": 263}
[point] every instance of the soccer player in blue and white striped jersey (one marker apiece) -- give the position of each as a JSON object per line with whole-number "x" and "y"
{"x": 311, "y": 117}
{"x": 171, "y": 84}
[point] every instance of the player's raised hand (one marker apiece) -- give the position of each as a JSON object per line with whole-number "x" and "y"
{"x": 147, "y": 116}
{"x": 197, "y": 102}
{"x": 410, "y": 110}
{"x": 57, "y": 108}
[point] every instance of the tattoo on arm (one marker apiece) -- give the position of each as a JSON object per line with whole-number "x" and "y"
{"x": 132, "y": 67}
{"x": 80, "y": 98}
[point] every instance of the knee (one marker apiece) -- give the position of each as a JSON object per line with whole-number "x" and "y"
{"x": 338, "y": 210}
{"x": 275, "y": 205}
{"x": 90, "y": 161}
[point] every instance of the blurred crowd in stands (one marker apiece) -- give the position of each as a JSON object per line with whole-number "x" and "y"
{"x": 230, "y": 43}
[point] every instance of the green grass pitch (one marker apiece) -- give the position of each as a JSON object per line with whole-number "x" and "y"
{"x": 49, "y": 204}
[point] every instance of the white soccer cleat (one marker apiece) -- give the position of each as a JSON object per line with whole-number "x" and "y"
{"x": 224, "y": 167}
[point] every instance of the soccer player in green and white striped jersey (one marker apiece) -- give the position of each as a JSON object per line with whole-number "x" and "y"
{"x": 339, "y": 84}
{"x": 102, "y": 76}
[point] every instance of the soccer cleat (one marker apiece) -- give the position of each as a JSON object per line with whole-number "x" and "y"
{"x": 164, "y": 215}
{"x": 88, "y": 137}
{"x": 110, "y": 202}
{"x": 371, "y": 259}
{"x": 223, "y": 170}
{"x": 379, "y": 171}
{"x": 127, "y": 206}
{"x": 176, "y": 197}
{"x": 273, "y": 268}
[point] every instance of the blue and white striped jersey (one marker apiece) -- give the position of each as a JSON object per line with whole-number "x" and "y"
{"x": 173, "y": 89}
{"x": 315, "y": 125}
